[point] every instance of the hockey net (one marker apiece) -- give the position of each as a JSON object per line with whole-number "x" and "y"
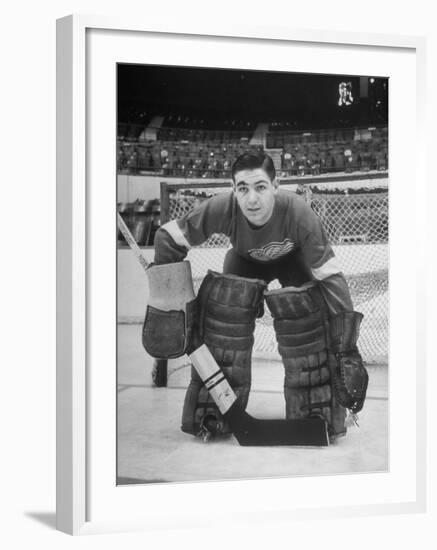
{"x": 357, "y": 226}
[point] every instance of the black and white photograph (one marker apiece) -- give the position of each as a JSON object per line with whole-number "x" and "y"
{"x": 221, "y": 219}
{"x": 252, "y": 274}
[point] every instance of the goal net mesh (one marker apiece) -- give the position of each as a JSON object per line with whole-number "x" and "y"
{"x": 357, "y": 226}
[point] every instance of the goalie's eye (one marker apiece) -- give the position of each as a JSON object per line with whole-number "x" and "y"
{"x": 242, "y": 189}
{"x": 260, "y": 188}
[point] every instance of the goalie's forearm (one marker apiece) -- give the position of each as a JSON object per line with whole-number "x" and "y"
{"x": 336, "y": 294}
{"x": 167, "y": 251}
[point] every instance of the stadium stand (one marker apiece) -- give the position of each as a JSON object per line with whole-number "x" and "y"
{"x": 201, "y": 153}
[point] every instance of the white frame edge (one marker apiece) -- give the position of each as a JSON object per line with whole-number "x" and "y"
{"x": 71, "y": 341}
{"x": 71, "y": 277}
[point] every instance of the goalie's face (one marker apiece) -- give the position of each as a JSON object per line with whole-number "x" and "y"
{"x": 255, "y": 194}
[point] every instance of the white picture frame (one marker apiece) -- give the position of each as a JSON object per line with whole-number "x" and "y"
{"x": 81, "y": 491}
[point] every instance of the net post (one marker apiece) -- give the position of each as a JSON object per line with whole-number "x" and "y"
{"x": 165, "y": 203}
{"x": 160, "y": 374}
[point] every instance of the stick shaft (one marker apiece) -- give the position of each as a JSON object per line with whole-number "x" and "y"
{"x": 131, "y": 241}
{"x": 213, "y": 378}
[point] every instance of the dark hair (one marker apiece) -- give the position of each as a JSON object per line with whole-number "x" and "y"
{"x": 253, "y": 160}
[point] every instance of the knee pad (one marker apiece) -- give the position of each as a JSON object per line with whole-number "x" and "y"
{"x": 227, "y": 306}
{"x": 302, "y": 331}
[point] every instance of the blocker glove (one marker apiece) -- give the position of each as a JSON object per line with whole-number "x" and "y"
{"x": 169, "y": 324}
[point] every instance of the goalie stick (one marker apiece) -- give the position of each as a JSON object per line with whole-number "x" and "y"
{"x": 248, "y": 431}
{"x": 131, "y": 241}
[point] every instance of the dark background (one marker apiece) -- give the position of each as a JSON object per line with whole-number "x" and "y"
{"x": 218, "y": 95}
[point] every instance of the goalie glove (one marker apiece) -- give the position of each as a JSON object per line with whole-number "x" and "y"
{"x": 350, "y": 378}
{"x": 169, "y": 324}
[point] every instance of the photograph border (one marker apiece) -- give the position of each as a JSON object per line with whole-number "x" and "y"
{"x": 72, "y": 298}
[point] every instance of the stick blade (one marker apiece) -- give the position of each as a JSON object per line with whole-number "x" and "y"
{"x": 258, "y": 432}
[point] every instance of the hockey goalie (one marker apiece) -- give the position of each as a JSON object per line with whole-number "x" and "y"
{"x": 274, "y": 235}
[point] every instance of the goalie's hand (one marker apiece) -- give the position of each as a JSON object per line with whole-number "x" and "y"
{"x": 350, "y": 381}
{"x": 170, "y": 323}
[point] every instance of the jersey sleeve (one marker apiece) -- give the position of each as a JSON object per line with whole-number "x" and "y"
{"x": 322, "y": 262}
{"x": 175, "y": 238}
